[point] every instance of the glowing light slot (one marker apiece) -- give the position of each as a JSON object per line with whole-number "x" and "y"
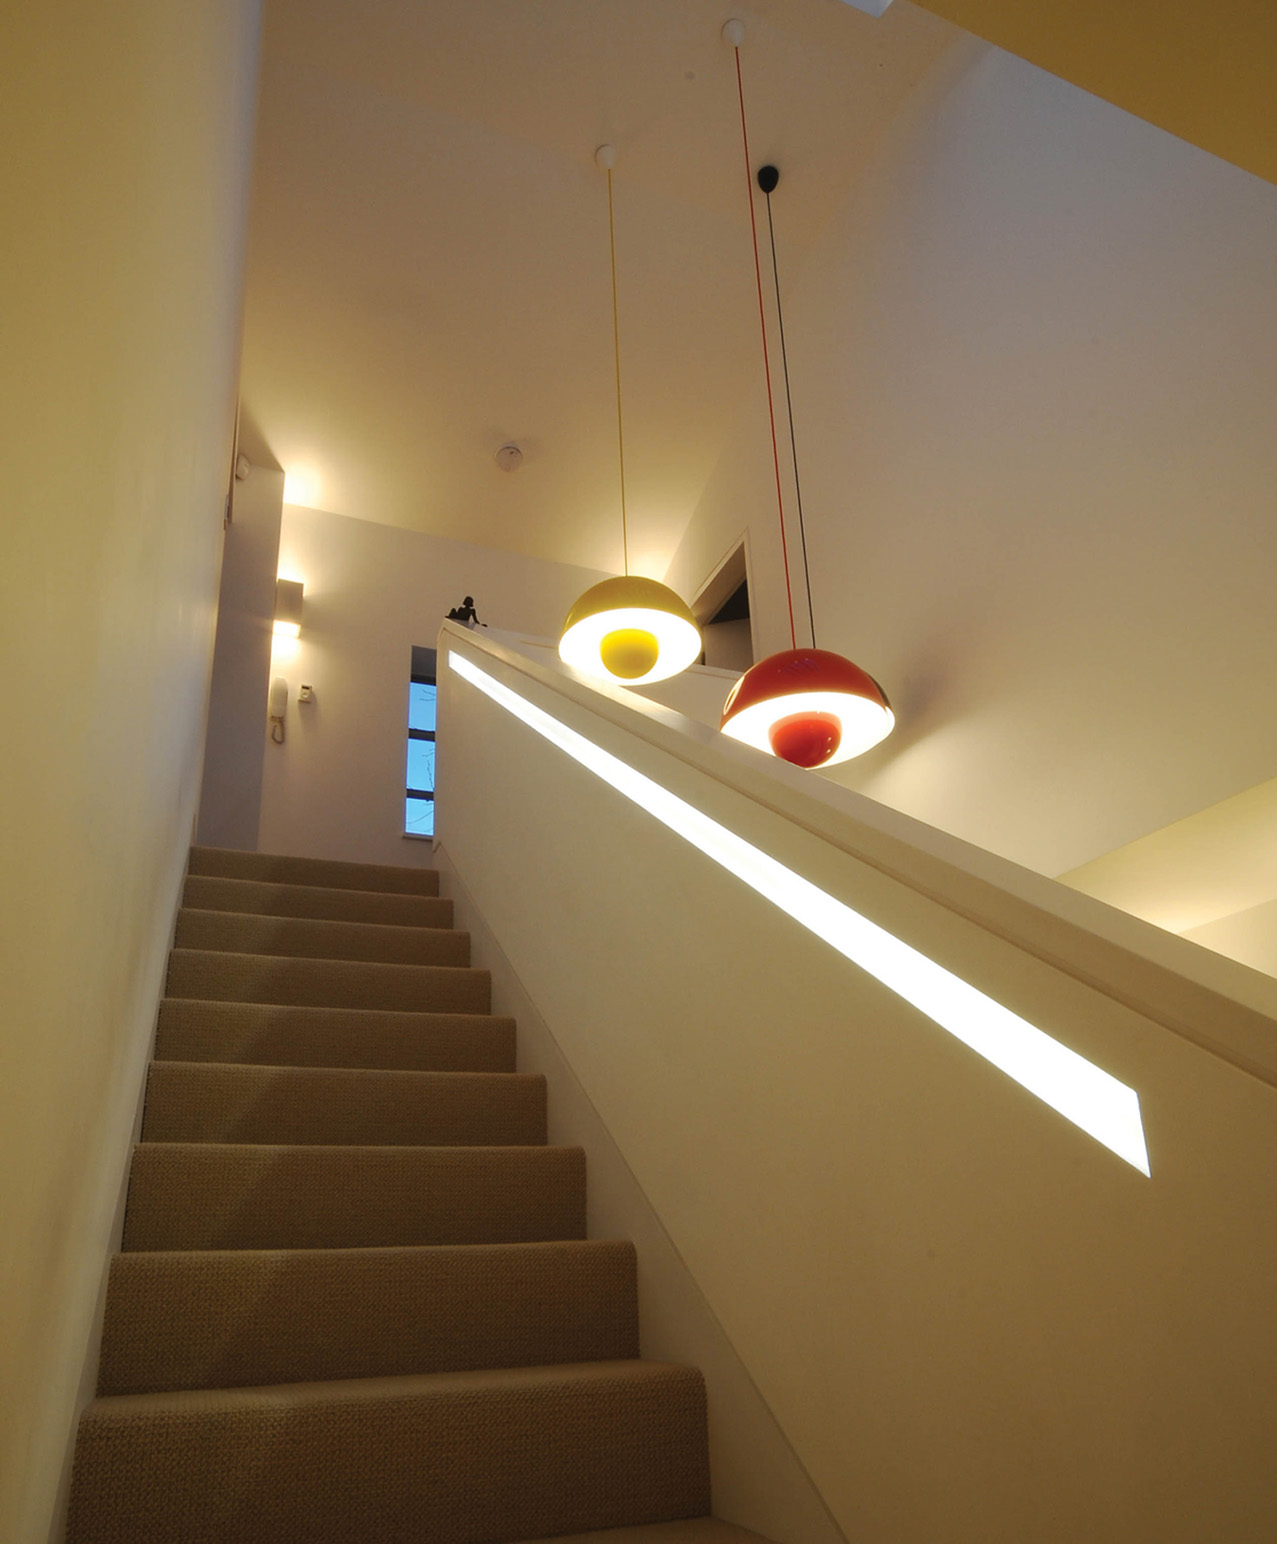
{"x": 1083, "y": 1093}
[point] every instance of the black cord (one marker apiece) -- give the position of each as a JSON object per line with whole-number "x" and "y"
{"x": 768, "y": 177}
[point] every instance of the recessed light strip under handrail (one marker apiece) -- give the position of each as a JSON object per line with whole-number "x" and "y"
{"x": 1083, "y": 1093}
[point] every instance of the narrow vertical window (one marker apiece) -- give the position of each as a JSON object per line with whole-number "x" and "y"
{"x": 419, "y": 808}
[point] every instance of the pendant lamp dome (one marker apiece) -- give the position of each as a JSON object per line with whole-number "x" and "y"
{"x": 627, "y": 629}
{"x": 630, "y": 629}
{"x": 810, "y": 707}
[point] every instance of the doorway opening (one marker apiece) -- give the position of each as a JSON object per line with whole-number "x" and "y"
{"x": 723, "y": 614}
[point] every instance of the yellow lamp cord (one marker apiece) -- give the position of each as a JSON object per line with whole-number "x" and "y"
{"x": 616, "y": 349}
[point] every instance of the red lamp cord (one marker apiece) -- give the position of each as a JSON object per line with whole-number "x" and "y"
{"x": 767, "y": 370}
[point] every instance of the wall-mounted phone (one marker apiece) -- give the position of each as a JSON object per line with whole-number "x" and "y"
{"x": 276, "y": 707}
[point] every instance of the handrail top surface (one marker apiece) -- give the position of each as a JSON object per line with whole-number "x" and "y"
{"x": 1220, "y": 1005}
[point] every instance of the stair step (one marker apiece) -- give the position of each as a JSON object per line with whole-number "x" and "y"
{"x": 199, "y": 1195}
{"x": 306, "y": 937}
{"x": 280, "y": 1036}
{"x": 691, "y": 1530}
{"x": 222, "y": 1319}
{"x": 229, "y": 863}
{"x": 440, "y": 1458}
{"x": 208, "y": 892}
{"x": 267, "y": 978}
{"x": 222, "y": 1102}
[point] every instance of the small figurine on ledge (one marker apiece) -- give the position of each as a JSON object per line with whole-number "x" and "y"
{"x": 466, "y": 614}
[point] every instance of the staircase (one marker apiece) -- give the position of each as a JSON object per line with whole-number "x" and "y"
{"x": 355, "y": 1302}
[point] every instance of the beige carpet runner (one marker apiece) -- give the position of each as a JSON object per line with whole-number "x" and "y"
{"x": 355, "y": 1301}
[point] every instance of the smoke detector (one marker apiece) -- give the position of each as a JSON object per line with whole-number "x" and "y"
{"x": 509, "y": 458}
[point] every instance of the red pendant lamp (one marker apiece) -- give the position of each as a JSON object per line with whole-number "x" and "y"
{"x": 810, "y": 707}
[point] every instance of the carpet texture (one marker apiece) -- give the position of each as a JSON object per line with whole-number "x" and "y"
{"x": 356, "y": 1301}
{"x": 226, "y": 1318}
{"x": 210, "y": 893}
{"x": 279, "y": 1035}
{"x": 219, "y": 1102}
{"x": 443, "y": 1458}
{"x": 691, "y": 1530}
{"x": 204, "y": 1195}
{"x": 229, "y": 864}
{"x": 308, "y": 938}
{"x": 264, "y": 978}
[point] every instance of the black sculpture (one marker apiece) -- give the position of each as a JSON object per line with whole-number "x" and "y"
{"x": 465, "y": 613}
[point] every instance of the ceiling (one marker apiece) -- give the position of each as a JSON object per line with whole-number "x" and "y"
{"x": 428, "y": 270}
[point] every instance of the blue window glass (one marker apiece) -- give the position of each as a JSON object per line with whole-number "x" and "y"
{"x": 423, "y": 693}
{"x": 421, "y": 766}
{"x": 419, "y": 817}
{"x": 422, "y": 703}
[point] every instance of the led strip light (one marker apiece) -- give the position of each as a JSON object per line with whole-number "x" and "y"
{"x": 1083, "y": 1093}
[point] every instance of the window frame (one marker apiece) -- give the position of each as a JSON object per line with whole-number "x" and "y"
{"x": 419, "y": 677}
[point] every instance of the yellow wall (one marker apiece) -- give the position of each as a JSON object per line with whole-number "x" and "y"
{"x": 1214, "y": 864}
{"x": 1207, "y": 73}
{"x": 126, "y": 132}
{"x": 1211, "y": 877}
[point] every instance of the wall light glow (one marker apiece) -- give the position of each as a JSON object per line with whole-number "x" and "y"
{"x": 1083, "y": 1093}
{"x": 302, "y": 485}
{"x": 284, "y": 651}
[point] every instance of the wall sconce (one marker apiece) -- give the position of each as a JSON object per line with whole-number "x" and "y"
{"x": 288, "y": 608}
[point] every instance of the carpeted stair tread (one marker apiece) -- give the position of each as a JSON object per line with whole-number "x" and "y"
{"x": 356, "y": 1300}
{"x": 228, "y": 863}
{"x": 225, "y": 1318}
{"x": 275, "y": 1034}
{"x": 442, "y": 1458}
{"x": 209, "y": 892}
{"x": 266, "y": 978}
{"x": 224, "y": 1102}
{"x": 246, "y": 1196}
{"x": 690, "y": 1530}
{"x": 308, "y": 938}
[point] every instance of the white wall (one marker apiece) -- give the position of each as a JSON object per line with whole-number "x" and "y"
{"x": 754, "y": 1471}
{"x": 974, "y": 1323}
{"x": 231, "y": 785}
{"x": 335, "y": 788}
{"x": 123, "y": 182}
{"x": 1032, "y": 366}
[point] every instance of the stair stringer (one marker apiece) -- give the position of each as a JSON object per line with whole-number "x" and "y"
{"x": 759, "y": 1482}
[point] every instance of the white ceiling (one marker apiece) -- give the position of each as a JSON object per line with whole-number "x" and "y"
{"x": 428, "y": 263}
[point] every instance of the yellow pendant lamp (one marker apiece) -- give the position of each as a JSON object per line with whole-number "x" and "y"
{"x": 627, "y": 629}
